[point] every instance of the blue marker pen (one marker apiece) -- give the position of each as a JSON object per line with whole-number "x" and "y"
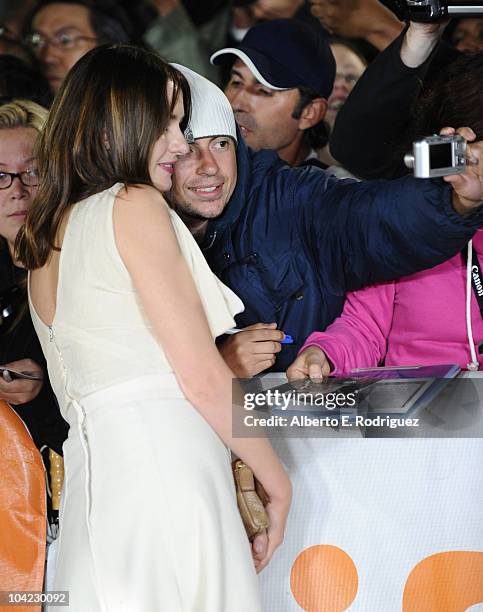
{"x": 234, "y": 330}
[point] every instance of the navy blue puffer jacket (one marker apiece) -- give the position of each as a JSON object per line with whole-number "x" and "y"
{"x": 293, "y": 241}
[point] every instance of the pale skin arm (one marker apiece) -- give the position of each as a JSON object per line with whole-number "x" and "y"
{"x": 419, "y": 41}
{"x": 20, "y": 390}
{"x": 150, "y": 251}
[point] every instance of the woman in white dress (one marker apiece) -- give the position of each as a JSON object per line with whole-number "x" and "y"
{"x": 127, "y": 309}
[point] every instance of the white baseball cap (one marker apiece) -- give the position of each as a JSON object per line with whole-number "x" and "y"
{"x": 211, "y": 112}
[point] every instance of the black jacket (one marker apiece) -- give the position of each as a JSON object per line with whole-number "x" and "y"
{"x": 20, "y": 341}
{"x": 373, "y": 128}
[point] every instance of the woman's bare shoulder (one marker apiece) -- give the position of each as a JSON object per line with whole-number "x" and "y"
{"x": 140, "y": 193}
{"x": 140, "y": 204}
{"x": 142, "y": 222}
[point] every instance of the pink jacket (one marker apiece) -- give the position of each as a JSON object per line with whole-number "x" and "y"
{"x": 418, "y": 320}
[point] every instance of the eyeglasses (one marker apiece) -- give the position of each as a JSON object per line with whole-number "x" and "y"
{"x": 63, "y": 41}
{"x": 28, "y": 178}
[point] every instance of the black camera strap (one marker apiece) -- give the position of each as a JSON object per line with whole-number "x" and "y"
{"x": 476, "y": 276}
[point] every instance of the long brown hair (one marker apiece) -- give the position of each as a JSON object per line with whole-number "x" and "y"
{"x": 111, "y": 108}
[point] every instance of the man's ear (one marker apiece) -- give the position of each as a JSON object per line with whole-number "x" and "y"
{"x": 313, "y": 113}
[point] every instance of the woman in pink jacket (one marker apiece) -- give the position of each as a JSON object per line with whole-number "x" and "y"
{"x": 419, "y": 320}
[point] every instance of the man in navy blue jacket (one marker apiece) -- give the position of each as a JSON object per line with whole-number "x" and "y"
{"x": 292, "y": 241}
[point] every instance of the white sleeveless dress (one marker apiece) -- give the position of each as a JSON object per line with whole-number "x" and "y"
{"x": 149, "y": 521}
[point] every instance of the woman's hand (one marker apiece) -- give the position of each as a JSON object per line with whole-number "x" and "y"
{"x": 311, "y": 363}
{"x": 265, "y": 543}
{"x": 21, "y": 390}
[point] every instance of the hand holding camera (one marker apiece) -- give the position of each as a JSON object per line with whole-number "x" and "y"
{"x": 436, "y": 156}
{"x": 450, "y": 156}
{"x": 426, "y": 11}
{"x": 467, "y": 185}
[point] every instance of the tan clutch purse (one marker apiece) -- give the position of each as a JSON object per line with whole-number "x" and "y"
{"x": 251, "y": 498}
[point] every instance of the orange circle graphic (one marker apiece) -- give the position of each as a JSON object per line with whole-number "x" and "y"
{"x": 324, "y": 579}
{"x": 450, "y": 581}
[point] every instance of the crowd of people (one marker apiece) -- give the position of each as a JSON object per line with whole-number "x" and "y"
{"x": 145, "y": 213}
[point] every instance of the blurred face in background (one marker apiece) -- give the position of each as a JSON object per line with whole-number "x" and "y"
{"x": 61, "y": 35}
{"x": 468, "y": 35}
{"x": 16, "y": 156}
{"x": 349, "y": 69}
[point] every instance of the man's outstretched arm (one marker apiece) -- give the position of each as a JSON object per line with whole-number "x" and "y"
{"x": 362, "y": 233}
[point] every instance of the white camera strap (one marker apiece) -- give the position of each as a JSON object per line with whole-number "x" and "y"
{"x": 473, "y": 281}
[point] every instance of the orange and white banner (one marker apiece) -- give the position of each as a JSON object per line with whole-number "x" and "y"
{"x": 380, "y": 525}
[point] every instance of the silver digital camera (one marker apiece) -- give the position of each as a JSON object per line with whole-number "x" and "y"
{"x": 437, "y": 156}
{"x": 436, "y": 10}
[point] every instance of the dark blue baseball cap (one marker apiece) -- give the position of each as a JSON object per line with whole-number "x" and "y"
{"x": 285, "y": 54}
